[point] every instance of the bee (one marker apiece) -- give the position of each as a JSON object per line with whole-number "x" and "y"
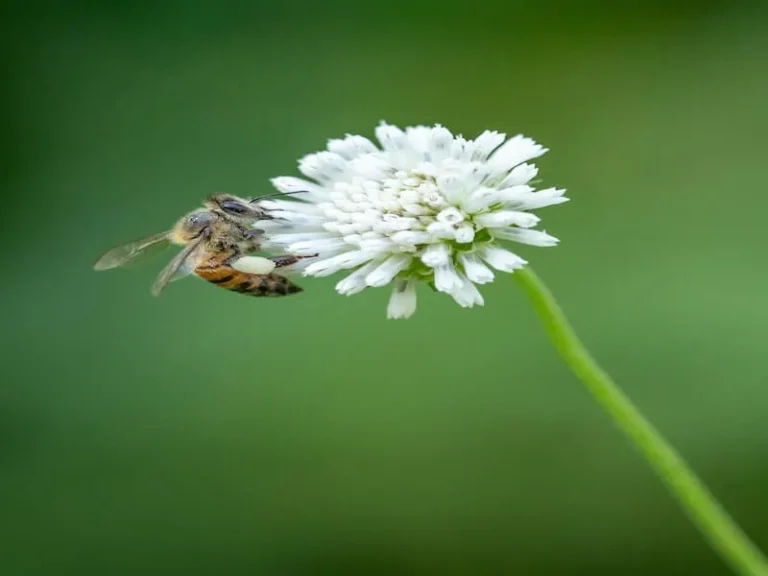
{"x": 214, "y": 238}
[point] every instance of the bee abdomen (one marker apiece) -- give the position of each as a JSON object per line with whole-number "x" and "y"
{"x": 251, "y": 284}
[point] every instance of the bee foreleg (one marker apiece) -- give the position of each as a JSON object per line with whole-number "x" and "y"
{"x": 287, "y": 260}
{"x": 253, "y": 234}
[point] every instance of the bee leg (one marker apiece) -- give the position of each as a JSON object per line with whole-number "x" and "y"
{"x": 253, "y": 265}
{"x": 283, "y": 261}
{"x": 253, "y": 234}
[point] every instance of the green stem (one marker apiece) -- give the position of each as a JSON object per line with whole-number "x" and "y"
{"x": 718, "y": 527}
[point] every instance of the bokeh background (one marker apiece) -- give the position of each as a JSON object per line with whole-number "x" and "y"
{"x": 207, "y": 433}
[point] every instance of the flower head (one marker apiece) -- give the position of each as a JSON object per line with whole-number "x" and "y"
{"x": 424, "y": 206}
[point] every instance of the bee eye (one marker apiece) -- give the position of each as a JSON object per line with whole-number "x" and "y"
{"x": 232, "y": 206}
{"x": 199, "y": 220}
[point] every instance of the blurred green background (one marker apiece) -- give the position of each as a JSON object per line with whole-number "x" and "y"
{"x": 207, "y": 433}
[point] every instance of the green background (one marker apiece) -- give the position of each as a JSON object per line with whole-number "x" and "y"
{"x": 207, "y": 433}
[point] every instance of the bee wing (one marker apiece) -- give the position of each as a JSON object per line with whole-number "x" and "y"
{"x": 178, "y": 267}
{"x": 182, "y": 272}
{"x": 123, "y": 254}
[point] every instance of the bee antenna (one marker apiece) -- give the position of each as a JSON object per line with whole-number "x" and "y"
{"x": 277, "y": 194}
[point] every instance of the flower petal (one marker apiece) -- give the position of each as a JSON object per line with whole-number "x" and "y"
{"x": 323, "y": 246}
{"x": 521, "y": 174}
{"x": 296, "y": 186}
{"x": 411, "y": 237}
{"x": 351, "y": 146}
{"x": 501, "y": 259}
{"x": 447, "y": 279}
{"x": 290, "y": 206}
{"x": 342, "y": 261}
{"x": 440, "y": 143}
{"x": 524, "y": 236}
{"x": 480, "y": 199}
{"x": 502, "y": 218}
{"x": 513, "y": 152}
{"x": 436, "y": 255}
{"x": 464, "y": 233}
{"x": 355, "y": 282}
{"x": 396, "y": 144}
{"x": 402, "y": 303}
{"x": 474, "y": 268}
{"x": 467, "y": 295}
{"x": 532, "y": 200}
{"x": 388, "y": 269}
{"x": 323, "y": 166}
{"x": 291, "y": 237}
{"x": 486, "y": 143}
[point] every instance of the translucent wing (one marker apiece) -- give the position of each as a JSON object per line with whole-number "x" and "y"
{"x": 123, "y": 254}
{"x": 182, "y": 272}
{"x": 178, "y": 267}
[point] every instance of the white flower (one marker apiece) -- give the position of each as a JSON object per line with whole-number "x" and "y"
{"x": 424, "y": 206}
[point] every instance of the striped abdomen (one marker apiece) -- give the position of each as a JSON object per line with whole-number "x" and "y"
{"x": 250, "y": 284}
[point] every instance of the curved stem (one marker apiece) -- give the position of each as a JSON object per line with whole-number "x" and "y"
{"x": 718, "y": 527}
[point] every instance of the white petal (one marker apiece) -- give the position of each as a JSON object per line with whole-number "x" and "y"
{"x": 436, "y": 255}
{"x": 254, "y": 265}
{"x": 351, "y": 146}
{"x": 540, "y": 199}
{"x": 479, "y": 200}
{"x": 513, "y": 193}
{"x": 475, "y": 174}
{"x": 467, "y": 295}
{"x": 515, "y": 151}
{"x": 502, "y": 218}
{"x": 431, "y": 196}
{"x": 420, "y": 139}
{"x": 441, "y": 230}
{"x": 416, "y": 209}
{"x": 397, "y": 145}
{"x": 450, "y": 215}
{"x": 501, "y": 259}
{"x": 342, "y": 261}
{"x": 486, "y": 143}
{"x": 391, "y": 137}
{"x": 299, "y": 218}
{"x": 323, "y": 166}
{"x": 446, "y": 279}
{"x": 474, "y": 268}
{"x": 520, "y": 175}
{"x": 355, "y": 282}
{"x": 532, "y": 237}
{"x": 377, "y": 245}
{"x": 462, "y": 149}
{"x": 464, "y": 233}
{"x": 411, "y": 237}
{"x": 311, "y": 247}
{"x": 278, "y": 226}
{"x": 440, "y": 147}
{"x": 402, "y": 303}
{"x": 290, "y": 238}
{"x": 290, "y": 206}
{"x": 370, "y": 166}
{"x": 387, "y": 270}
{"x": 297, "y": 186}
{"x": 452, "y": 186}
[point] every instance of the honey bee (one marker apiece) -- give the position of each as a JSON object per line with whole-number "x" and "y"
{"x": 214, "y": 237}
